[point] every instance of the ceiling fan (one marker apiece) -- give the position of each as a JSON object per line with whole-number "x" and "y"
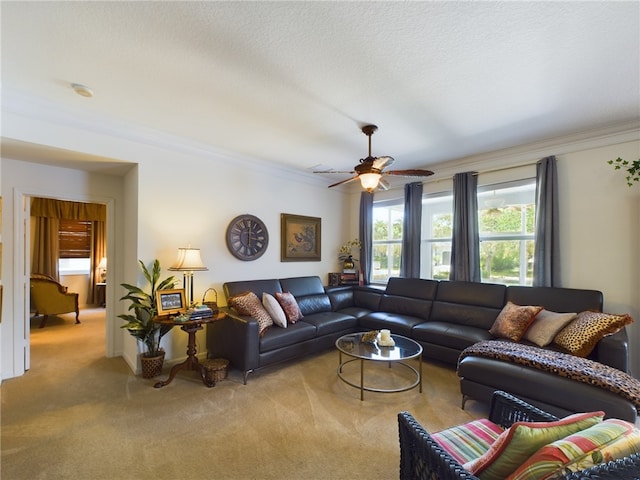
{"x": 371, "y": 169}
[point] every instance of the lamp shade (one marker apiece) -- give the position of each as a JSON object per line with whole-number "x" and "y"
{"x": 188, "y": 260}
{"x": 369, "y": 181}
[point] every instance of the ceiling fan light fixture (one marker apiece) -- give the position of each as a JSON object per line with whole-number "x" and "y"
{"x": 369, "y": 181}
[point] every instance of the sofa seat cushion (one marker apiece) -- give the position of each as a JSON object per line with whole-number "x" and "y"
{"x": 330, "y": 322}
{"x": 469, "y": 441}
{"x": 397, "y": 323}
{"x": 449, "y": 334}
{"x": 282, "y": 337}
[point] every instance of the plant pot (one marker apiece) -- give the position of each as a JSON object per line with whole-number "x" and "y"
{"x": 152, "y": 366}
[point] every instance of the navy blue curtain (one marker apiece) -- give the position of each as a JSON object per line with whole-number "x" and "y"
{"x": 465, "y": 244}
{"x": 411, "y": 231}
{"x": 546, "y": 256}
{"x": 366, "y": 232}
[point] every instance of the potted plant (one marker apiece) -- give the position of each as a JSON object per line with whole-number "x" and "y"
{"x": 140, "y": 323}
{"x": 632, "y": 168}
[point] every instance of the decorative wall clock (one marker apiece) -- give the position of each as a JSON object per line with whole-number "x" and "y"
{"x": 247, "y": 237}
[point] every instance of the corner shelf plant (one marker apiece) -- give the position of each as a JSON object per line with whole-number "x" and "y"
{"x": 140, "y": 324}
{"x": 632, "y": 168}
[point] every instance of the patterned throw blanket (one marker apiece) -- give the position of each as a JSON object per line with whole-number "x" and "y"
{"x": 563, "y": 364}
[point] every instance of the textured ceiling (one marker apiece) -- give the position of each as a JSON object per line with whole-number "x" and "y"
{"x": 292, "y": 82}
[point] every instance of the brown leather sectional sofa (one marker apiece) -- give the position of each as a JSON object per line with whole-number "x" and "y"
{"x": 444, "y": 317}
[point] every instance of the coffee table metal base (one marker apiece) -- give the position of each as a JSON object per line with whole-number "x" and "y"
{"x": 416, "y": 383}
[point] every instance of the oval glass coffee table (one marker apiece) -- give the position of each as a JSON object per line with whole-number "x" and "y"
{"x": 405, "y": 349}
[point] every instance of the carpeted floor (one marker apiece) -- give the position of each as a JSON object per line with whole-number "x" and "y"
{"x": 78, "y": 415}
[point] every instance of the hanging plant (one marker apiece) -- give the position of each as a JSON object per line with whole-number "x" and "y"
{"x": 632, "y": 169}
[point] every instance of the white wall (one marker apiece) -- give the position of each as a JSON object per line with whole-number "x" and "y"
{"x": 600, "y": 233}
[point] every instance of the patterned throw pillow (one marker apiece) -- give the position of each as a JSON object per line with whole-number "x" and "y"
{"x": 546, "y": 326}
{"x": 522, "y": 440}
{"x": 581, "y": 450}
{"x": 582, "y": 334}
{"x": 248, "y": 303}
{"x": 290, "y": 306}
{"x": 272, "y": 306}
{"x": 513, "y": 321}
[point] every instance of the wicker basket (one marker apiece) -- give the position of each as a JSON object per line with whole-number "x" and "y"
{"x": 213, "y": 305}
{"x": 215, "y": 369}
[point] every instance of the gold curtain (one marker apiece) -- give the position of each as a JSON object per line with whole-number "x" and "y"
{"x": 45, "y": 247}
{"x": 52, "y": 208}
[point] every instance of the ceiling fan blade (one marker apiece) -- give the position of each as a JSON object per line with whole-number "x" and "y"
{"x": 334, "y": 171}
{"x": 344, "y": 181}
{"x": 409, "y": 173}
{"x": 382, "y": 162}
{"x": 383, "y": 184}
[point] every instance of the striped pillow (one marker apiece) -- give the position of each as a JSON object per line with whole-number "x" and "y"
{"x": 581, "y": 450}
{"x": 522, "y": 439}
{"x": 469, "y": 441}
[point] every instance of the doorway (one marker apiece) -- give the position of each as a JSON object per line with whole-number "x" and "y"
{"x": 80, "y": 275}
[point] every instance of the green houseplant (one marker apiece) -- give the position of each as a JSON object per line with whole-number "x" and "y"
{"x": 632, "y": 168}
{"x": 140, "y": 322}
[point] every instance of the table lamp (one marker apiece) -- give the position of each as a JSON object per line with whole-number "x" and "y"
{"x": 188, "y": 261}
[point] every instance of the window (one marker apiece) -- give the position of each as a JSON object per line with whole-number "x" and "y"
{"x": 74, "y": 238}
{"x": 437, "y": 228}
{"x": 506, "y": 220}
{"x": 387, "y": 240}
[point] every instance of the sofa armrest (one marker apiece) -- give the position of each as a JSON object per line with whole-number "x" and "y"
{"x": 613, "y": 350}
{"x": 236, "y": 338}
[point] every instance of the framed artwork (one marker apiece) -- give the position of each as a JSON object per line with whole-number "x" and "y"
{"x": 170, "y": 301}
{"x": 300, "y": 238}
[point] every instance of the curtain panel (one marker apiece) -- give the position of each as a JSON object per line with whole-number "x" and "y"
{"x": 546, "y": 256}
{"x": 411, "y": 231}
{"x": 366, "y": 232}
{"x": 465, "y": 242}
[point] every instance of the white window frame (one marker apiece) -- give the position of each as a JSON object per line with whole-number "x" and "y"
{"x": 389, "y": 242}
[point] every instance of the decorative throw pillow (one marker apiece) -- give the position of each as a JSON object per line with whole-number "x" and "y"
{"x": 272, "y": 306}
{"x": 469, "y": 441}
{"x": 248, "y": 303}
{"x": 582, "y": 334}
{"x": 288, "y": 303}
{"x": 578, "y": 451}
{"x": 546, "y": 326}
{"x": 522, "y": 440}
{"x": 513, "y": 321}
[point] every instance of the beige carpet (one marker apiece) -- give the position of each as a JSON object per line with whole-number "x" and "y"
{"x": 78, "y": 415}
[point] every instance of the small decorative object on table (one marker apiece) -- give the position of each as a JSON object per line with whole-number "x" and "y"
{"x": 385, "y": 339}
{"x": 213, "y": 305}
{"x": 370, "y": 337}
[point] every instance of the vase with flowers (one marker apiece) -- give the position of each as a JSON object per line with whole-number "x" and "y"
{"x": 345, "y": 254}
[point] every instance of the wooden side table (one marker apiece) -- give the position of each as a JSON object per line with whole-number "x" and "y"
{"x": 191, "y": 362}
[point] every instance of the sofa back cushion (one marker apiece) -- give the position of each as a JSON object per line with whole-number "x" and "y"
{"x": 308, "y": 292}
{"x": 367, "y": 298}
{"x": 340, "y": 297}
{"x": 258, "y": 287}
{"x": 409, "y": 296}
{"x": 559, "y": 300}
{"x": 468, "y": 303}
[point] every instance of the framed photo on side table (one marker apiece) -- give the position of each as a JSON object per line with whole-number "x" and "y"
{"x": 170, "y": 301}
{"x": 300, "y": 238}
